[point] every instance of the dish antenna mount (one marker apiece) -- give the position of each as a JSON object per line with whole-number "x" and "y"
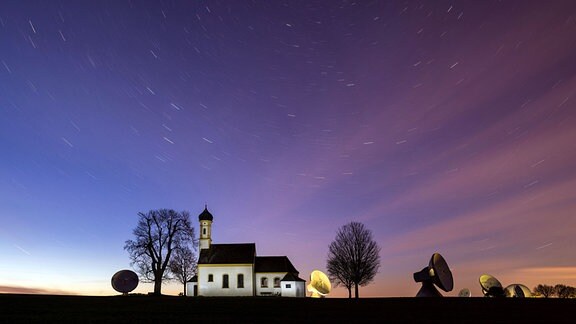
{"x": 491, "y": 287}
{"x": 319, "y": 284}
{"x": 465, "y": 292}
{"x": 436, "y": 273}
{"x": 124, "y": 281}
{"x": 517, "y": 291}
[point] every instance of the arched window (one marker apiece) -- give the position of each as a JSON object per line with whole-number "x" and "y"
{"x": 276, "y": 282}
{"x": 204, "y": 231}
{"x": 264, "y": 282}
{"x": 210, "y": 277}
{"x": 225, "y": 281}
{"x": 240, "y": 280}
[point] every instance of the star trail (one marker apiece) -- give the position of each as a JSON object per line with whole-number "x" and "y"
{"x": 444, "y": 126}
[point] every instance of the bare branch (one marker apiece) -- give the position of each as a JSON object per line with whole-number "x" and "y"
{"x": 157, "y": 234}
{"x": 353, "y": 257}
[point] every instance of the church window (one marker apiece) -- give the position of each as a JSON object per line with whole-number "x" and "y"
{"x": 225, "y": 281}
{"x": 210, "y": 278}
{"x": 240, "y": 280}
{"x": 204, "y": 231}
{"x": 276, "y": 282}
{"x": 264, "y": 282}
{"x": 288, "y": 286}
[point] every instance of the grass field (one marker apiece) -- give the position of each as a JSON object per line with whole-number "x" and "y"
{"x": 169, "y": 309}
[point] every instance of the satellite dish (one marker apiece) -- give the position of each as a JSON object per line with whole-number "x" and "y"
{"x": 517, "y": 290}
{"x": 124, "y": 281}
{"x": 491, "y": 287}
{"x": 465, "y": 292}
{"x": 436, "y": 273}
{"x": 319, "y": 284}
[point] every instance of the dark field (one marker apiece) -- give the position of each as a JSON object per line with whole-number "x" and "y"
{"x": 166, "y": 309}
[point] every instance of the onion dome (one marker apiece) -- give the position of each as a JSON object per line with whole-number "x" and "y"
{"x": 205, "y": 215}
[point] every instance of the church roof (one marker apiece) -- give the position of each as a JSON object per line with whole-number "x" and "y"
{"x": 274, "y": 264}
{"x": 205, "y": 215}
{"x": 228, "y": 254}
{"x": 291, "y": 277}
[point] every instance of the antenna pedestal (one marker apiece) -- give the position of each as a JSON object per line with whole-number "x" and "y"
{"x": 428, "y": 290}
{"x": 437, "y": 273}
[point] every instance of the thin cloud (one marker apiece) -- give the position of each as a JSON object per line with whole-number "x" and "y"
{"x": 32, "y": 290}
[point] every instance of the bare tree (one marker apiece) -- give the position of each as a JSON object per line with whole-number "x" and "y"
{"x": 156, "y": 236}
{"x": 571, "y": 293}
{"x": 183, "y": 265}
{"x": 340, "y": 274}
{"x": 563, "y": 291}
{"x": 544, "y": 290}
{"x": 353, "y": 257}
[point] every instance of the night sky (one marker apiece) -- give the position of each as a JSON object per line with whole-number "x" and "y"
{"x": 443, "y": 126}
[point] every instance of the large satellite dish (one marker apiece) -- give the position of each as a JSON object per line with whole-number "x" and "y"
{"x": 436, "y": 273}
{"x": 491, "y": 287}
{"x": 517, "y": 290}
{"x": 465, "y": 292}
{"x": 124, "y": 281}
{"x": 319, "y": 284}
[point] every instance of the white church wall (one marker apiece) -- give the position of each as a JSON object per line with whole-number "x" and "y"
{"x": 288, "y": 289}
{"x": 215, "y": 287}
{"x": 190, "y": 288}
{"x": 300, "y": 289}
{"x": 293, "y": 289}
{"x": 269, "y": 289}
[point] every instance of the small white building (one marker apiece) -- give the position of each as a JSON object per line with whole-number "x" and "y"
{"x": 236, "y": 270}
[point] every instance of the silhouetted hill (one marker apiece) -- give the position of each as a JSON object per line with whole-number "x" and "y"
{"x": 169, "y": 309}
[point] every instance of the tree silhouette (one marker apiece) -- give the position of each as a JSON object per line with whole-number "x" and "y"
{"x": 353, "y": 257}
{"x": 544, "y": 290}
{"x": 183, "y": 265}
{"x": 563, "y": 291}
{"x": 156, "y": 236}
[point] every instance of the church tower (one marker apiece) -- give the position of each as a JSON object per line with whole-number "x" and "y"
{"x": 205, "y": 219}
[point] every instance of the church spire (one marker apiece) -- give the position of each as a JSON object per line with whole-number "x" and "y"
{"x": 205, "y": 219}
{"x": 205, "y": 215}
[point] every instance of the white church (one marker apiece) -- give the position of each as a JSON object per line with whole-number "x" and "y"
{"x": 235, "y": 270}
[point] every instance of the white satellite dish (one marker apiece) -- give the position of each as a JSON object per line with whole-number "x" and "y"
{"x": 124, "y": 281}
{"x": 436, "y": 273}
{"x": 319, "y": 284}
{"x": 465, "y": 292}
{"x": 491, "y": 287}
{"x": 517, "y": 291}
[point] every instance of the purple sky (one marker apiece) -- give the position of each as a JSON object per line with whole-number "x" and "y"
{"x": 443, "y": 126}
